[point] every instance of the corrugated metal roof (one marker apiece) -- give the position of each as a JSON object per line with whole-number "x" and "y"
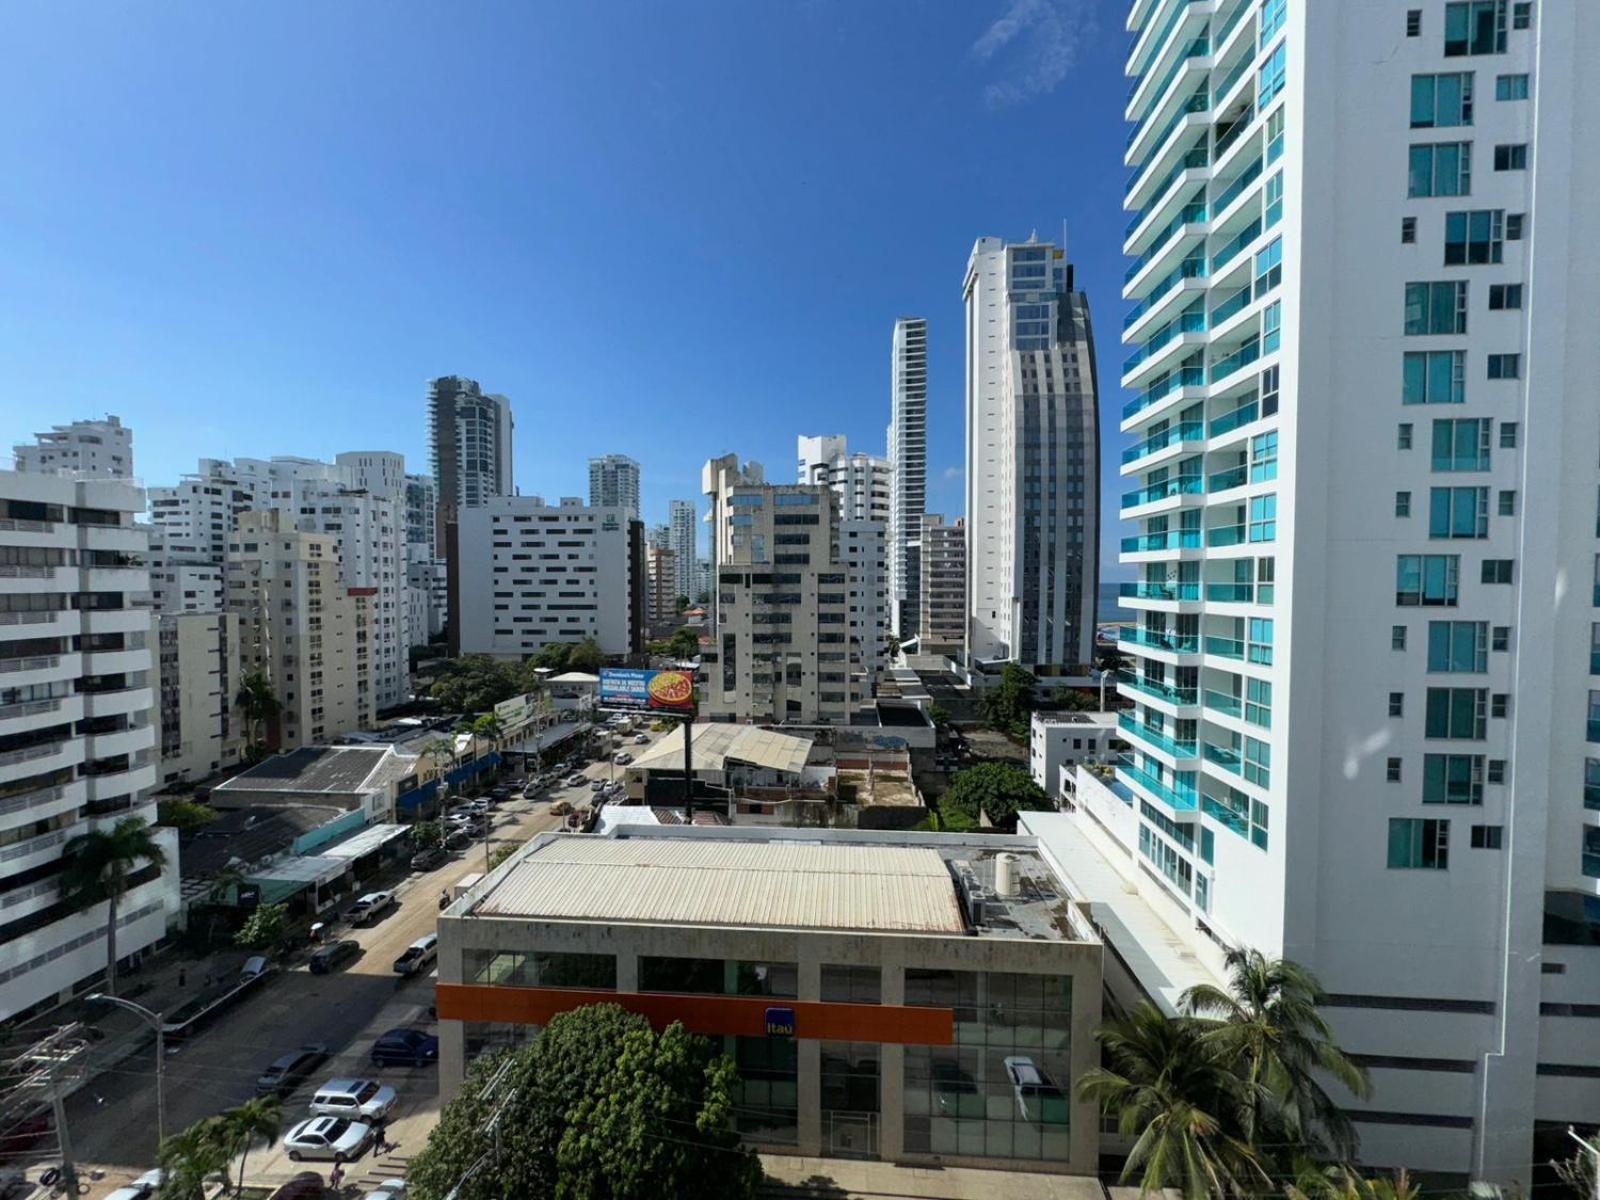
{"x": 769, "y": 884}
{"x": 714, "y": 743}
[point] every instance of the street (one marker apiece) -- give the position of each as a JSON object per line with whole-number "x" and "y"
{"x": 113, "y": 1119}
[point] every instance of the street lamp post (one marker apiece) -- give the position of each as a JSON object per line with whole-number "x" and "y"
{"x": 155, "y": 1021}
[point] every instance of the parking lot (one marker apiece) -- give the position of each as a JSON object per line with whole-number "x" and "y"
{"x": 113, "y": 1119}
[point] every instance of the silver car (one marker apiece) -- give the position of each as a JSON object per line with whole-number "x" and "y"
{"x": 327, "y": 1138}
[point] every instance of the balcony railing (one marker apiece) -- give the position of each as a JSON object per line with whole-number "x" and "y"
{"x": 1186, "y": 431}
{"x": 1174, "y": 643}
{"x": 1221, "y": 812}
{"x": 1233, "y": 190}
{"x": 1188, "y": 215}
{"x": 1233, "y": 304}
{"x": 1158, "y": 44}
{"x": 1224, "y": 702}
{"x": 1234, "y": 477}
{"x": 1197, "y": 103}
{"x": 1242, "y": 357}
{"x": 1172, "y": 539}
{"x": 28, "y": 708}
{"x": 1192, "y": 320}
{"x": 1238, "y": 242}
{"x": 1158, "y": 689}
{"x": 1227, "y": 759}
{"x": 1155, "y": 737}
{"x": 1235, "y": 129}
{"x": 1183, "y": 485}
{"x": 1189, "y": 268}
{"x": 1171, "y": 381}
{"x": 1226, "y": 535}
{"x": 1230, "y": 593}
{"x": 1198, "y": 157}
{"x": 1228, "y": 422}
{"x": 1186, "y": 798}
{"x": 1160, "y": 591}
{"x": 1225, "y": 647}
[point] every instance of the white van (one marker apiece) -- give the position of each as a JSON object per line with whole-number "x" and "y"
{"x": 418, "y": 956}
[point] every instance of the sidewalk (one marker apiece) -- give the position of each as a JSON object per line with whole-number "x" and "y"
{"x": 839, "y": 1178}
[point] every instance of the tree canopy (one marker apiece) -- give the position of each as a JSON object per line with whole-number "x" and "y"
{"x": 476, "y": 683}
{"x": 998, "y": 790}
{"x": 600, "y": 1105}
{"x": 1007, "y": 705}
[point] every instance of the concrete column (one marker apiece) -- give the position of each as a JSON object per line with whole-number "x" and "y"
{"x": 892, "y": 1076}
{"x": 452, "y": 1059}
{"x": 627, "y": 970}
{"x": 809, "y": 1066}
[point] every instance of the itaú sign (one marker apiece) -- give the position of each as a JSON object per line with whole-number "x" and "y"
{"x": 780, "y": 1022}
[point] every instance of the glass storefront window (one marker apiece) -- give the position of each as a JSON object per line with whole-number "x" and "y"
{"x": 767, "y": 1106}
{"x": 851, "y": 985}
{"x": 516, "y": 968}
{"x": 850, "y": 1099}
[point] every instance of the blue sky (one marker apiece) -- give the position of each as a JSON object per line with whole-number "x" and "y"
{"x": 666, "y": 230}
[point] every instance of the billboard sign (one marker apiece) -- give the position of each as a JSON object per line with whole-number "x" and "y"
{"x": 654, "y": 691}
{"x": 513, "y": 712}
{"x": 780, "y": 1022}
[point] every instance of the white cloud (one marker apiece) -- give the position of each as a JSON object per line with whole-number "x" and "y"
{"x": 951, "y": 473}
{"x": 1034, "y": 46}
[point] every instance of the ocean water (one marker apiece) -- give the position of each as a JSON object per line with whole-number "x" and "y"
{"x": 1109, "y": 605}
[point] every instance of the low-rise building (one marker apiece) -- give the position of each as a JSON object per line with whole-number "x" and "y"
{"x": 199, "y": 677}
{"x": 1059, "y": 741}
{"x": 910, "y": 998}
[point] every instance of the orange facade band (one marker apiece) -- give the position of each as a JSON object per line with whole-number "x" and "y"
{"x": 740, "y": 1016}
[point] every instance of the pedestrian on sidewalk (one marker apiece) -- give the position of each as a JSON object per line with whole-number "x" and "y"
{"x": 183, "y": 975}
{"x": 336, "y": 1176}
{"x": 381, "y": 1132}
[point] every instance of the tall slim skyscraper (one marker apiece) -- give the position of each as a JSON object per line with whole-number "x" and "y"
{"x": 614, "y": 483}
{"x": 682, "y": 539}
{"x": 908, "y": 470}
{"x": 1033, "y": 460}
{"x": 469, "y": 443}
{"x": 1361, "y": 350}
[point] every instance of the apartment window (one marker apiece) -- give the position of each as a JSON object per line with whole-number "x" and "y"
{"x": 1273, "y": 199}
{"x": 1452, "y": 779}
{"x": 1505, "y": 295}
{"x": 1391, "y": 770}
{"x": 1427, "y": 580}
{"x": 1397, "y": 704}
{"x": 1497, "y": 570}
{"x": 1511, "y": 87}
{"x": 1500, "y": 639}
{"x": 1522, "y": 14}
{"x": 1259, "y": 650}
{"x": 1263, "y": 518}
{"x": 1271, "y": 78}
{"x": 1507, "y": 504}
{"x": 1258, "y": 702}
{"x": 1458, "y": 646}
{"x": 1413, "y": 22}
{"x": 1505, "y": 366}
{"x": 1397, "y": 637}
{"x": 1474, "y": 27}
{"x": 1441, "y": 101}
{"x": 1269, "y": 391}
{"x": 1269, "y": 268}
{"x": 1434, "y": 377}
{"x": 1486, "y": 837}
{"x": 1436, "y": 307}
{"x": 1440, "y": 169}
{"x": 1457, "y": 713}
{"x": 1272, "y": 16}
{"x": 1508, "y": 435}
{"x": 1474, "y": 237}
{"x": 1419, "y": 843}
{"x": 1511, "y": 157}
{"x": 1408, "y": 230}
{"x": 1499, "y": 705}
{"x": 1461, "y": 445}
{"x": 1402, "y": 439}
{"x": 1458, "y": 512}
{"x": 1258, "y": 762}
{"x": 1402, "y": 504}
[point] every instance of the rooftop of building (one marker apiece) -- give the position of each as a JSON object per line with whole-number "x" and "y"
{"x": 774, "y": 878}
{"x": 1103, "y": 719}
{"x": 714, "y": 744}
{"x": 326, "y": 770}
{"x": 246, "y": 835}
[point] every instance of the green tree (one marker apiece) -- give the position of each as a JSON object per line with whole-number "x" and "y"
{"x": 555, "y": 656}
{"x": 474, "y": 683}
{"x": 488, "y": 728}
{"x": 260, "y": 706}
{"x": 684, "y": 643}
{"x": 1177, "y": 1100}
{"x": 98, "y": 866}
{"x": 1007, "y": 705}
{"x": 599, "y": 1106}
{"x": 944, "y": 820}
{"x": 585, "y": 656}
{"x": 238, "y": 1128}
{"x": 938, "y": 714}
{"x": 998, "y": 790}
{"x": 499, "y": 854}
{"x": 427, "y": 833}
{"x": 183, "y": 814}
{"x": 190, "y": 1159}
{"x": 1267, "y": 1023}
{"x": 679, "y": 604}
{"x": 264, "y": 929}
{"x": 1072, "y": 700}
{"x": 1580, "y": 1171}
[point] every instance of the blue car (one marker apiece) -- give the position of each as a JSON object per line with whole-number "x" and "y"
{"x": 406, "y": 1048}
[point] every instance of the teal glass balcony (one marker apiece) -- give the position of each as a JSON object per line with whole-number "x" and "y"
{"x": 1155, "y": 46}
{"x": 1230, "y": 593}
{"x": 1164, "y": 386}
{"x": 1181, "y": 797}
{"x": 1173, "y": 435}
{"x": 1239, "y": 13}
{"x": 1226, "y": 535}
{"x": 1227, "y": 759}
{"x": 1230, "y": 251}
{"x": 1174, "y": 643}
{"x": 1232, "y": 192}
{"x": 1224, "y": 702}
{"x": 1233, "y": 304}
{"x": 1187, "y": 485}
{"x": 1193, "y": 320}
{"x": 1221, "y": 481}
{"x": 1228, "y": 422}
{"x": 1155, "y": 737}
{"x": 1158, "y": 689}
{"x": 1173, "y": 539}
{"x": 1200, "y": 156}
{"x": 1225, "y": 647}
{"x": 1190, "y": 214}
{"x": 1221, "y": 812}
{"x": 1189, "y": 268}
{"x": 1159, "y": 591}
{"x": 1235, "y": 130}
{"x": 1197, "y": 103}
{"x": 1242, "y": 357}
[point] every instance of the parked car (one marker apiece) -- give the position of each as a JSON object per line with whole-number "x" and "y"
{"x": 327, "y": 959}
{"x": 405, "y": 1047}
{"x": 480, "y": 806}
{"x": 353, "y": 1099}
{"x": 287, "y": 1071}
{"x": 641, "y": 739}
{"x": 458, "y": 838}
{"x": 371, "y": 906}
{"x": 388, "y": 1189}
{"x": 575, "y": 780}
{"x": 305, "y": 1186}
{"x": 560, "y": 808}
{"x": 622, "y": 758}
{"x": 596, "y": 784}
{"x": 327, "y": 1138}
{"x": 418, "y": 956}
{"x": 142, "y": 1188}
{"x": 427, "y": 860}
{"x": 254, "y": 967}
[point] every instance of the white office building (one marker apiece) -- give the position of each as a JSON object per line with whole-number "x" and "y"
{"x": 87, "y": 449}
{"x": 1362, "y": 487}
{"x": 682, "y": 541}
{"x": 614, "y": 483}
{"x": 78, "y": 726}
{"x": 533, "y": 573}
{"x": 1033, "y": 490}
{"x": 908, "y": 468}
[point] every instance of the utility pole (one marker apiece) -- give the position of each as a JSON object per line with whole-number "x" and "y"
{"x": 46, "y": 1065}
{"x": 58, "y": 1101}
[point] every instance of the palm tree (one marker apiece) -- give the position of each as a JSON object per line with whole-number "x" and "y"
{"x": 190, "y": 1158}
{"x": 487, "y": 727}
{"x": 223, "y": 889}
{"x": 98, "y": 866}
{"x": 1338, "y": 1181}
{"x": 1267, "y": 1024}
{"x": 1174, "y": 1095}
{"x": 238, "y": 1128}
{"x": 259, "y": 703}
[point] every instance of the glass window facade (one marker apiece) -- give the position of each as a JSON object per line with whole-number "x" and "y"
{"x": 516, "y": 968}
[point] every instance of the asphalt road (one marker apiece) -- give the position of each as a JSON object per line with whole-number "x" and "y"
{"x": 113, "y": 1119}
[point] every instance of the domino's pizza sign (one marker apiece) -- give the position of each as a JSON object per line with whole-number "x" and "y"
{"x": 780, "y": 1022}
